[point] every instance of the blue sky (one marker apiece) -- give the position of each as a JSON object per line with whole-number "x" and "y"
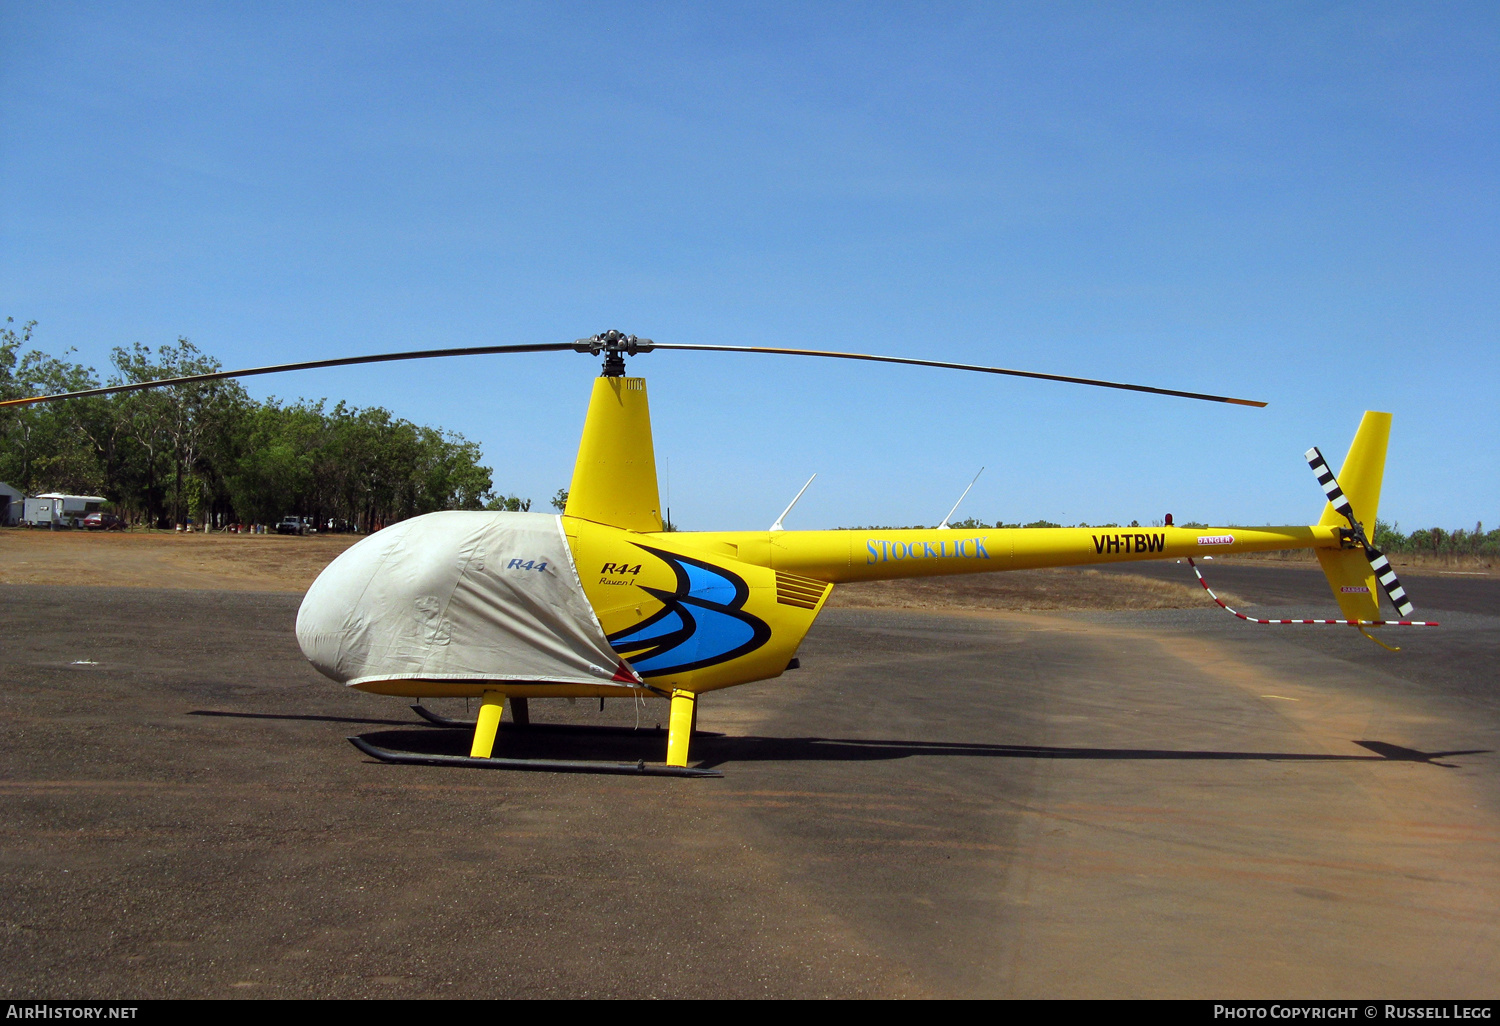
{"x": 1291, "y": 202}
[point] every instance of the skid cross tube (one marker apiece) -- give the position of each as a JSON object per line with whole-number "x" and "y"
{"x": 442, "y": 721}
{"x": 438, "y": 720}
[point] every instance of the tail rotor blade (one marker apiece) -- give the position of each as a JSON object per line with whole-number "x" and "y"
{"x": 1330, "y": 485}
{"x": 1388, "y": 580}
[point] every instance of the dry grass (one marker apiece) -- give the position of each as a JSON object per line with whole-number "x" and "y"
{"x": 151, "y": 559}
{"x": 1023, "y": 590}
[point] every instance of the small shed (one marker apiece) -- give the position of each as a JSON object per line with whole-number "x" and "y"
{"x": 11, "y": 502}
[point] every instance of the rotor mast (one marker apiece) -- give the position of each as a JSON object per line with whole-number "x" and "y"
{"x": 614, "y": 479}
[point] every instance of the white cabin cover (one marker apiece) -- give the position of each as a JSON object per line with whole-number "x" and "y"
{"x": 458, "y": 596}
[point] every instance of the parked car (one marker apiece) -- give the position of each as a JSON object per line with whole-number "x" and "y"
{"x": 291, "y": 525}
{"x": 103, "y": 522}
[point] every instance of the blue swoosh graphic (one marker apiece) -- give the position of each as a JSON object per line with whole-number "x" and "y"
{"x": 701, "y": 622}
{"x": 711, "y": 587}
{"x": 651, "y": 630}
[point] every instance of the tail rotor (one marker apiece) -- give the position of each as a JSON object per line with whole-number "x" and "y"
{"x": 1355, "y": 568}
{"x": 1378, "y": 562}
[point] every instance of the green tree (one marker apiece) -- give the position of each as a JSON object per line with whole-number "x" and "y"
{"x": 276, "y": 469}
{"x": 174, "y": 429}
{"x": 209, "y": 451}
{"x": 40, "y": 446}
{"x": 509, "y": 504}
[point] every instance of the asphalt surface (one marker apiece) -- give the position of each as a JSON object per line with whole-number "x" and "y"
{"x": 1287, "y": 584}
{"x": 1150, "y": 804}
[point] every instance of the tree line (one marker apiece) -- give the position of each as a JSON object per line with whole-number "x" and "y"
{"x": 211, "y": 453}
{"x": 1437, "y": 541}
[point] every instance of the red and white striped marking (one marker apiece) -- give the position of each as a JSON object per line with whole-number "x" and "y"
{"x": 1345, "y": 623}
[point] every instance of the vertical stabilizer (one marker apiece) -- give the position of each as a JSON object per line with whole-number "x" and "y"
{"x": 614, "y": 480}
{"x": 1361, "y": 474}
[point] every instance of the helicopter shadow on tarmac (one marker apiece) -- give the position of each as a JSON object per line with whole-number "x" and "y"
{"x": 713, "y": 750}
{"x": 755, "y": 749}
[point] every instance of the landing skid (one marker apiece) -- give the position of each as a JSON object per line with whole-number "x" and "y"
{"x": 640, "y": 768}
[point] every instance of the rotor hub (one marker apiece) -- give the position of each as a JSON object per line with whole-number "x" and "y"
{"x": 615, "y": 346}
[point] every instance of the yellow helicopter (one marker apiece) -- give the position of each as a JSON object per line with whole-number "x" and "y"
{"x": 602, "y": 602}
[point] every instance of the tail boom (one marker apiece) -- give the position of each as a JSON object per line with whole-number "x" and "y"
{"x": 842, "y": 556}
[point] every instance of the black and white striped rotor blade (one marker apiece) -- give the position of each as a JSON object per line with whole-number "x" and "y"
{"x": 1388, "y": 580}
{"x": 1330, "y": 484}
{"x": 1382, "y": 566}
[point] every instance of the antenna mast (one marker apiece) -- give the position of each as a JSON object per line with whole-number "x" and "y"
{"x": 777, "y": 526}
{"x": 954, "y": 510}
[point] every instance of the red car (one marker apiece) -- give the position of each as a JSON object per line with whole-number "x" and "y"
{"x": 103, "y": 522}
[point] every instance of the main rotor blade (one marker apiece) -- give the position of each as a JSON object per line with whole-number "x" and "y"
{"x": 547, "y": 347}
{"x": 346, "y": 361}
{"x": 958, "y": 366}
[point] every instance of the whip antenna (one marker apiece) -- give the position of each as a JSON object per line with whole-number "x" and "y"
{"x": 954, "y": 510}
{"x": 777, "y": 526}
